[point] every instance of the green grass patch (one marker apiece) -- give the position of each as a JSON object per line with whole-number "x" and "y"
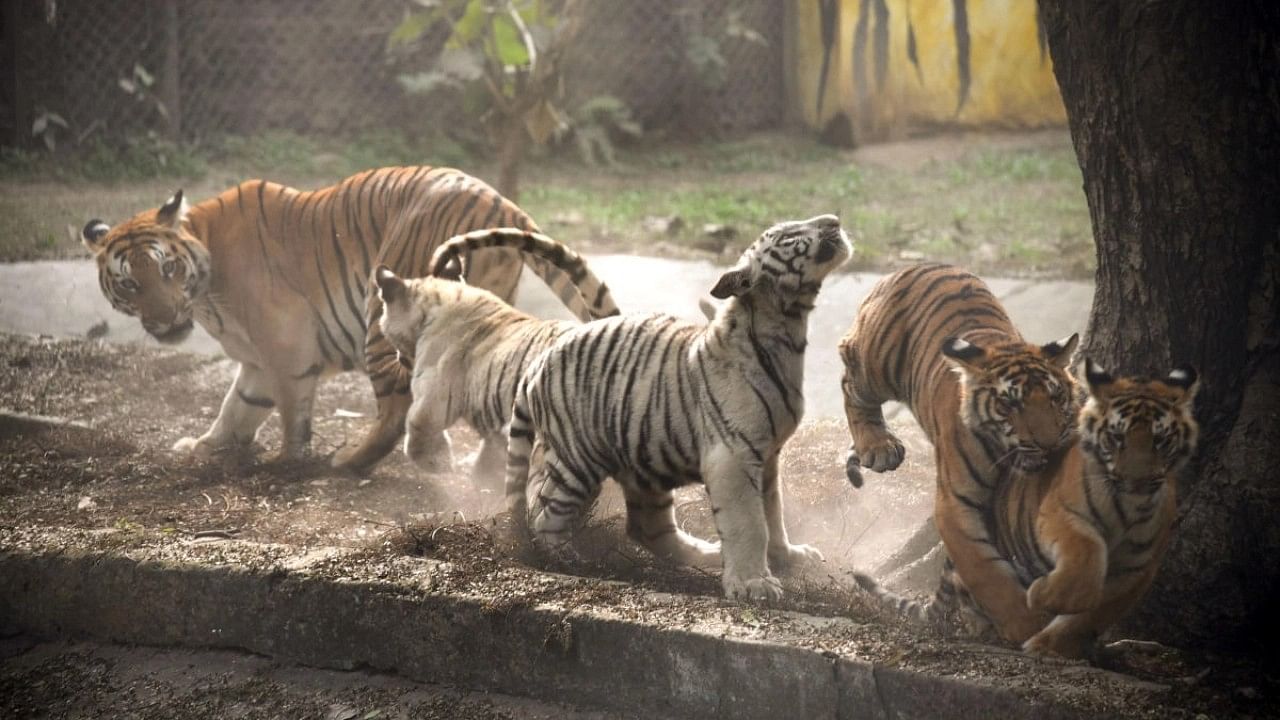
{"x": 1010, "y": 204}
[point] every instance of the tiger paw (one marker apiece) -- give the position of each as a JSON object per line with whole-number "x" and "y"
{"x": 435, "y": 462}
{"x": 1049, "y": 643}
{"x": 288, "y": 454}
{"x": 880, "y": 451}
{"x": 195, "y": 448}
{"x": 794, "y": 557}
{"x": 1053, "y": 595}
{"x": 757, "y": 588}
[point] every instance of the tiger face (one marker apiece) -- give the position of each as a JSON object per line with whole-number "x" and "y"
{"x": 1141, "y": 430}
{"x": 151, "y": 267}
{"x": 793, "y": 256}
{"x": 1018, "y": 395}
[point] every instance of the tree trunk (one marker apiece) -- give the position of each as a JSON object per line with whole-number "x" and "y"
{"x": 1174, "y": 110}
{"x": 511, "y": 150}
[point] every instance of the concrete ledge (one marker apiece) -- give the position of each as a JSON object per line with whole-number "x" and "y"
{"x": 307, "y": 607}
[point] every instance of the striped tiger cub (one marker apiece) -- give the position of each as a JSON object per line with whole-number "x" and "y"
{"x": 934, "y": 337}
{"x": 656, "y": 403}
{"x": 281, "y": 279}
{"x": 468, "y": 348}
{"x": 1087, "y": 532}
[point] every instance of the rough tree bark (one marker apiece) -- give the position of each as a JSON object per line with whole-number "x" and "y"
{"x": 1174, "y": 109}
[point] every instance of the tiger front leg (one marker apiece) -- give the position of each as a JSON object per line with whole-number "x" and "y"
{"x": 874, "y": 447}
{"x": 1080, "y": 569}
{"x": 247, "y": 404}
{"x": 734, "y": 484}
{"x": 1075, "y": 636}
{"x": 783, "y": 555}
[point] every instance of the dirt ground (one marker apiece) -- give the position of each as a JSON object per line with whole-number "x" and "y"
{"x": 112, "y": 469}
{"x": 90, "y": 680}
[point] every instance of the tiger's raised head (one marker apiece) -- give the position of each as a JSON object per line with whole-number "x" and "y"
{"x": 793, "y": 256}
{"x": 151, "y": 267}
{"x": 1141, "y": 430}
{"x": 1017, "y": 394}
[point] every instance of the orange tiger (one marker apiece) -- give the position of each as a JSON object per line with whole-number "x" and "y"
{"x": 934, "y": 337}
{"x": 1087, "y": 532}
{"x": 281, "y": 278}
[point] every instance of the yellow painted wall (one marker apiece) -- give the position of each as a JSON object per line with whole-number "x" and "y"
{"x": 872, "y": 80}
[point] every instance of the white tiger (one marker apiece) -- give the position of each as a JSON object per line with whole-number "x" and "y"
{"x": 468, "y": 348}
{"x": 656, "y": 402}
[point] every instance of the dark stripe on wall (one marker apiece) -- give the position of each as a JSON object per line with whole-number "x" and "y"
{"x": 880, "y": 43}
{"x": 829, "y": 18}
{"x": 961, "y": 25}
{"x": 860, "y": 90}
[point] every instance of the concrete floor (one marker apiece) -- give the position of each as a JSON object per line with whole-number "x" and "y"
{"x": 62, "y": 299}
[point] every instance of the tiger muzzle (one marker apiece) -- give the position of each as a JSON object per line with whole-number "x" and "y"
{"x": 172, "y": 334}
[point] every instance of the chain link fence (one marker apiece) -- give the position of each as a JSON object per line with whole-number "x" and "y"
{"x": 198, "y": 69}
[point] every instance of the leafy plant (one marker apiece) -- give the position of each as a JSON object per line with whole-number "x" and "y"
{"x": 138, "y": 86}
{"x": 48, "y": 126}
{"x": 703, "y": 49}
{"x": 596, "y": 122}
{"x": 506, "y": 51}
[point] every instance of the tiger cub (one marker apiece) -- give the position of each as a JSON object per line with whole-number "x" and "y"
{"x": 468, "y": 348}
{"x": 656, "y": 403}
{"x": 1106, "y": 511}
{"x": 934, "y": 337}
{"x": 1087, "y": 532}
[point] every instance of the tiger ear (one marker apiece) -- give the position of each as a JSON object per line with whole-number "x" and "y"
{"x": 390, "y": 287}
{"x": 733, "y": 283}
{"x": 1059, "y": 352}
{"x": 1185, "y": 378}
{"x": 1098, "y": 378}
{"x": 964, "y": 354}
{"x": 94, "y": 234}
{"x": 452, "y": 269}
{"x": 173, "y": 212}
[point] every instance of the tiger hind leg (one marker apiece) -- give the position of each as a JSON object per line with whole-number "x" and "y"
{"x": 426, "y": 442}
{"x": 561, "y": 504}
{"x": 874, "y": 447}
{"x": 651, "y": 521}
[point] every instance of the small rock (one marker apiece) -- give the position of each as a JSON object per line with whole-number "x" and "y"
{"x": 910, "y": 255}
{"x": 340, "y": 712}
{"x": 723, "y": 232}
{"x": 363, "y": 482}
{"x": 86, "y": 503}
{"x": 319, "y": 483}
{"x": 96, "y": 330}
{"x": 667, "y": 225}
{"x": 1248, "y": 693}
{"x": 339, "y": 412}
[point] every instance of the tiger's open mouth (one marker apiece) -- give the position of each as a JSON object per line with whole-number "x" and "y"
{"x": 828, "y": 245}
{"x": 175, "y": 334}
